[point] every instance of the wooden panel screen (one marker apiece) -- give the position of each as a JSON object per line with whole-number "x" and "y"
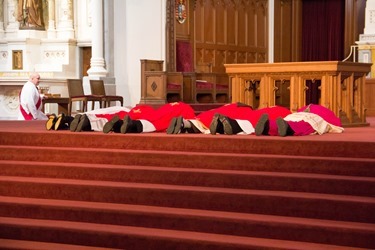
{"x": 230, "y": 32}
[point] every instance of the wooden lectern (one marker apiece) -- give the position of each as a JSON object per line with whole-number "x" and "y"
{"x": 342, "y": 85}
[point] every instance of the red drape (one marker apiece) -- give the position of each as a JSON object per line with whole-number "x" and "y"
{"x": 323, "y": 25}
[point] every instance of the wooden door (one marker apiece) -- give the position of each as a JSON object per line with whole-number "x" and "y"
{"x": 86, "y": 57}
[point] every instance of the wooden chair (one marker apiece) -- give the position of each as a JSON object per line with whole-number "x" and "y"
{"x": 158, "y": 86}
{"x": 98, "y": 89}
{"x": 76, "y": 94}
{"x": 222, "y": 91}
{"x": 199, "y": 82}
{"x": 175, "y": 90}
{"x": 204, "y": 88}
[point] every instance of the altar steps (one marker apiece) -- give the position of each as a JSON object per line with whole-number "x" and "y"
{"x": 128, "y": 237}
{"x": 239, "y": 179}
{"x": 184, "y": 192}
{"x": 351, "y": 166}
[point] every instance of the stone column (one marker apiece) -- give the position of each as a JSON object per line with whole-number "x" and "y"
{"x": 65, "y": 22}
{"x": 97, "y": 62}
{"x": 1, "y": 18}
{"x": 366, "y": 43}
{"x": 51, "y": 19}
{"x": 10, "y": 19}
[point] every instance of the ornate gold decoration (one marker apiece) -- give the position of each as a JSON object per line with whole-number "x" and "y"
{"x": 17, "y": 59}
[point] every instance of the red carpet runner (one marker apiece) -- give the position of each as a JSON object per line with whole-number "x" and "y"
{"x": 63, "y": 190}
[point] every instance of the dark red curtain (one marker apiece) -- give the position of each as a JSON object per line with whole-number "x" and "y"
{"x": 323, "y": 24}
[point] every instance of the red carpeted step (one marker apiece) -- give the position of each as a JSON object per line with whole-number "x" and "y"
{"x": 195, "y": 143}
{"x": 309, "y": 205}
{"x": 189, "y": 159}
{"x": 35, "y": 245}
{"x": 134, "y": 238}
{"x": 250, "y": 225}
{"x": 261, "y": 180}
{"x": 292, "y": 188}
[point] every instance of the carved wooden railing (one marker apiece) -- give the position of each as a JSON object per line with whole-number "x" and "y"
{"x": 342, "y": 85}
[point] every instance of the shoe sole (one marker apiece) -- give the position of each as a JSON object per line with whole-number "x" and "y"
{"x": 51, "y": 122}
{"x": 124, "y": 126}
{"x": 179, "y": 122}
{"x": 226, "y": 125}
{"x": 259, "y": 128}
{"x": 282, "y": 127}
{"x": 58, "y": 121}
{"x": 80, "y": 124}
{"x": 74, "y": 124}
{"x": 213, "y": 125}
{"x": 108, "y": 127}
{"x": 172, "y": 125}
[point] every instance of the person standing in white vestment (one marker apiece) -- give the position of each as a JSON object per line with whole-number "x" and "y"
{"x": 31, "y": 100}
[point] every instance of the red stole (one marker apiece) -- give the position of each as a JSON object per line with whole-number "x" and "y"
{"x": 25, "y": 115}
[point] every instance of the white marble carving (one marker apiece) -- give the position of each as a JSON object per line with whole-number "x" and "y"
{"x": 9, "y": 102}
{"x": 3, "y": 57}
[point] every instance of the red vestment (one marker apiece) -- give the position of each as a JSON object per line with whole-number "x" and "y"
{"x": 238, "y": 111}
{"x": 160, "y": 117}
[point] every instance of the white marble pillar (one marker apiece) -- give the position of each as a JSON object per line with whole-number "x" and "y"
{"x": 11, "y": 24}
{"x": 366, "y": 43}
{"x": 97, "y": 62}
{"x": 65, "y": 22}
{"x": 1, "y": 18}
{"x": 51, "y": 19}
{"x": 370, "y": 18}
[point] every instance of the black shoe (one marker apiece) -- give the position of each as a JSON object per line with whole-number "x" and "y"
{"x": 179, "y": 125}
{"x": 51, "y": 122}
{"x": 176, "y": 125}
{"x": 283, "y": 127}
{"x": 84, "y": 124}
{"x": 126, "y": 124}
{"x": 263, "y": 125}
{"x": 171, "y": 126}
{"x": 59, "y": 121}
{"x": 109, "y": 126}
{"x": 74, "y": 124}
{"x": 216, "y": 127}
{"x": 227, "y": 127}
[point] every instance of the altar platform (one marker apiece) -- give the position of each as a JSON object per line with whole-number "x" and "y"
{"x": 366, "y": 133}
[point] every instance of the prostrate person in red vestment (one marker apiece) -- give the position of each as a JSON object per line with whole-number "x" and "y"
{"x": 31, "y": 100}
{"x": 311, "y": 119}
{"x": 234, "y": 118}
{"x": 140, "y": 119}
{"x": 144, "y": 118}
{"x": 93, "y": 120}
